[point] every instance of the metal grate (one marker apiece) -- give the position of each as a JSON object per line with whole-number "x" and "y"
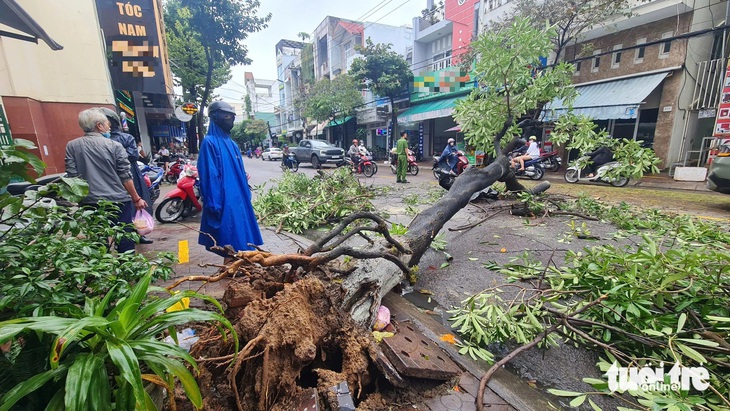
{"x": 710, "y": 76}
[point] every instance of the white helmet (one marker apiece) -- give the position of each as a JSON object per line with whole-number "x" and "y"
{"x": 451, "y": 140}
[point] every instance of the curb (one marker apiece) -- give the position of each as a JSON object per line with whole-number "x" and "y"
{"x": 513, "y": 390}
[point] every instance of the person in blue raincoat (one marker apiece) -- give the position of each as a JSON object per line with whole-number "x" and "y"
{"x": 228, "y": 215}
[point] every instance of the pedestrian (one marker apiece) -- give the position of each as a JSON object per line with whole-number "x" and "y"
{"x": 228, "y": 215}
{"x": 104, "y": 164}
{"x": 130, "y": 146}
{"x": 401, "y": 149}
{"x": 164, "y": 154}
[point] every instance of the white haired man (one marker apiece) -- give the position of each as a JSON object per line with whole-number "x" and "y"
{"x": 103, "y": 163}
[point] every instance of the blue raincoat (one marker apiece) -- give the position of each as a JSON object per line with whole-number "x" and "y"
{"x": 227, "y": 211}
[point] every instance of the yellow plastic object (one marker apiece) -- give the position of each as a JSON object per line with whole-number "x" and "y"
{"x": 183, "y": 252}
{"x": 181, "y": 305}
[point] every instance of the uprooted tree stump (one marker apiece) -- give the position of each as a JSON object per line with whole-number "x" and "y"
{"x": 303, "y": 318}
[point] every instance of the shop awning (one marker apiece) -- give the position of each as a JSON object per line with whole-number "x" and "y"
{"x": 340, "y": 121}
{"x": 12, "y": 15}
{"x": 618, "y": 99}
{"x": 429, "y": 110}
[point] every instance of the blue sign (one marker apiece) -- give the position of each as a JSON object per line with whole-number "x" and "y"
{"x": 420, "y": 139}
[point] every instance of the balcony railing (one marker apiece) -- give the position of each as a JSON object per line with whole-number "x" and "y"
{"x": 710, "y": 76}
{"x": 440, "y": 64}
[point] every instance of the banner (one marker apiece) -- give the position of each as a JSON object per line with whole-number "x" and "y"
{"x": 133, "y": 45}
{"x": 722, "y": 120}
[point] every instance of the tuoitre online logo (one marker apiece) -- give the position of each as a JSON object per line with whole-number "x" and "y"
{"x": 679, "y": 378}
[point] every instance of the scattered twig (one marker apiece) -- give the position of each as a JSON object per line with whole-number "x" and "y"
{"x": 584, "y": 216}
{"x": 499, "y": 364}
{"x": 470, "y": 226}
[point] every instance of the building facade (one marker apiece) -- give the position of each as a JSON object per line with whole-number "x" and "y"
{"x": 42, "y": 90}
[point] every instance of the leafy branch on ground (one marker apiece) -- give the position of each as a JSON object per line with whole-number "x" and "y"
{"x": 299, "y": 203}
{"x": 662, "y": 298}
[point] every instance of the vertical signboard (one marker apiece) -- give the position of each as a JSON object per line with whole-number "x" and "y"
{"x": 133, "y": 44}
{"x": 722, "y": 120}
{"x": 420, "y": 139}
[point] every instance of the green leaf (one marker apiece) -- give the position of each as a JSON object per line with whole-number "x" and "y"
{"x": 123, "y": 357}
{"x": 691, "y": 353}
{"x": 578, "y": 401}
{"x": 87, "y": 377}
{"x": 28, "y": 386}
{"x": 594, "y": 405}
{"x": 178, "y": 370}
{"x": 562, "y": 393}
{"x": 680, "y": 323}
{"x": 444, "y": 265}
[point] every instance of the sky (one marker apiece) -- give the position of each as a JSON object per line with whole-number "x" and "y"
{"x": 290, "y": 17}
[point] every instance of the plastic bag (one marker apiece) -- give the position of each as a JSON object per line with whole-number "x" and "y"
{"x": 383, "y": 318}
{"x": 185, "y": 338}
{"x": 143, "y": 222}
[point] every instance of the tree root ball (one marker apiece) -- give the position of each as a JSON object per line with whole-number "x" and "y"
{"x": 293, "y": 338}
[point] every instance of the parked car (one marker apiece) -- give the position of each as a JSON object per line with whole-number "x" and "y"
{"x": 719, "y": 177}
{"x": 272, "y": 153}
{"x": 317, "y": 152}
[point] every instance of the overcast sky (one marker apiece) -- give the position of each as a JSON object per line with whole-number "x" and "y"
{"x": 290, "y": 17}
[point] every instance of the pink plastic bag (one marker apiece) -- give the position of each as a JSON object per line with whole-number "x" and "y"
{"x": 143, "y": 222}
{"x": 383, "y": 318}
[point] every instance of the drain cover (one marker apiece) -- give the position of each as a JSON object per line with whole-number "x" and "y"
{"x": 414, "y": 355}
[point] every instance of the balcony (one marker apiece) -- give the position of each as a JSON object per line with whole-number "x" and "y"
{"x": 642, "y": 13}
{"x": 432, "y": 32}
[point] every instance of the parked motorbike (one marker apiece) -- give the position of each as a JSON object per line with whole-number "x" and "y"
{"x": 551, "y": 161}
{"x": 176, "y": 168}
{"x": 21, "y": 188}
{"x": 365, "y": 166}
{"x": 290, "y": 162}
{"x": 412, "y": 165}
{"x": 153, "y": 177}
{"x": 574, "y": 174}
{"x": 182, "y": 201}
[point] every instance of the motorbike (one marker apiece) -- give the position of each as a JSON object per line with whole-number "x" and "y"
{"x": 153, "y": 177}
{"x": 443, "y": 173}
{"x": 551, "y": 161}
{"x": 412, "y": 165}
{"x": 49, "y": 200}
{"x": 182, "y": 201}
{"x": 574, "y": 174}
{"x": 365, "y": 166}
{"x": 290, "y": 162}
{"x": 176, "y": 168}
{"x": 534, "y": 169}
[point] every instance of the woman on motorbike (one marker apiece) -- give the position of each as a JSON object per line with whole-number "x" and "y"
{"x": 533, "y": 152}
{"x": 285, "y": 160}
{"x": 449, "y": 155}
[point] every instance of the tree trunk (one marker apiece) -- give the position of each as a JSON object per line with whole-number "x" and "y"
{"x": 206, "y": 94}
{"x": 367, "y": 285}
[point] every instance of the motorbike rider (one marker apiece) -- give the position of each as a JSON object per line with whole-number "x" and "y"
{"x": 285, "y": 156}
{"x": 533, "y": 152}
{"x": 362, "y": 149}
{"x": 354, "y": 153}
{"x": 450, "y": 155}
{"x": 599, "y": 157}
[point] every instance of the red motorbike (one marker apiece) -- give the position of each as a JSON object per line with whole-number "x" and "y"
{"x": 173, "y": 173}
{"x": 365, "y": 166}
{"x": 182, "y": 201}
{"x": 412, "y": 165}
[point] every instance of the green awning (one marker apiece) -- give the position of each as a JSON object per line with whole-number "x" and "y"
{"x": 340, "y": 121}
{"x": 429, "y": 110}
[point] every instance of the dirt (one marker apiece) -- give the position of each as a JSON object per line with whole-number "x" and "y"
{"x": 293, "y": 339}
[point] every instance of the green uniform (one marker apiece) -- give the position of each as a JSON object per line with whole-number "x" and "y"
{"x": 401, "y": 150}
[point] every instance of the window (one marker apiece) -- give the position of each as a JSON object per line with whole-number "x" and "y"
{"x": 616, "y": 56}
{"x": 640, "y": 51}
{"x": 665, "y": 47}
{"x": 596, "y": 61}
{"x": 577, "y": 68}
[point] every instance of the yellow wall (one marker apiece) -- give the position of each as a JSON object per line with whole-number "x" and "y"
{"x": 77, "y": 74}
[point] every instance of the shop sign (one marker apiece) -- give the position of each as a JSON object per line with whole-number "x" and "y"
{"x": 133, "y": 44}
{"x": 722, "y": 121}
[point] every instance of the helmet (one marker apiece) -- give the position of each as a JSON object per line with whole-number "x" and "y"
{"x": 285, "y": 145}
{"x": 451, "y": 140}
{"x": 533, "y": 138}
{"x": 222, "y": 106}
{"x": 111, "y": 115}
{"x": 354, "y": 141}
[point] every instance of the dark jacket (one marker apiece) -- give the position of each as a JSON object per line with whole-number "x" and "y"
{"x": 601, "y": 156}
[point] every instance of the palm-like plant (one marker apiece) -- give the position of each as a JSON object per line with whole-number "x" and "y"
{"x": 99, "y": 361}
